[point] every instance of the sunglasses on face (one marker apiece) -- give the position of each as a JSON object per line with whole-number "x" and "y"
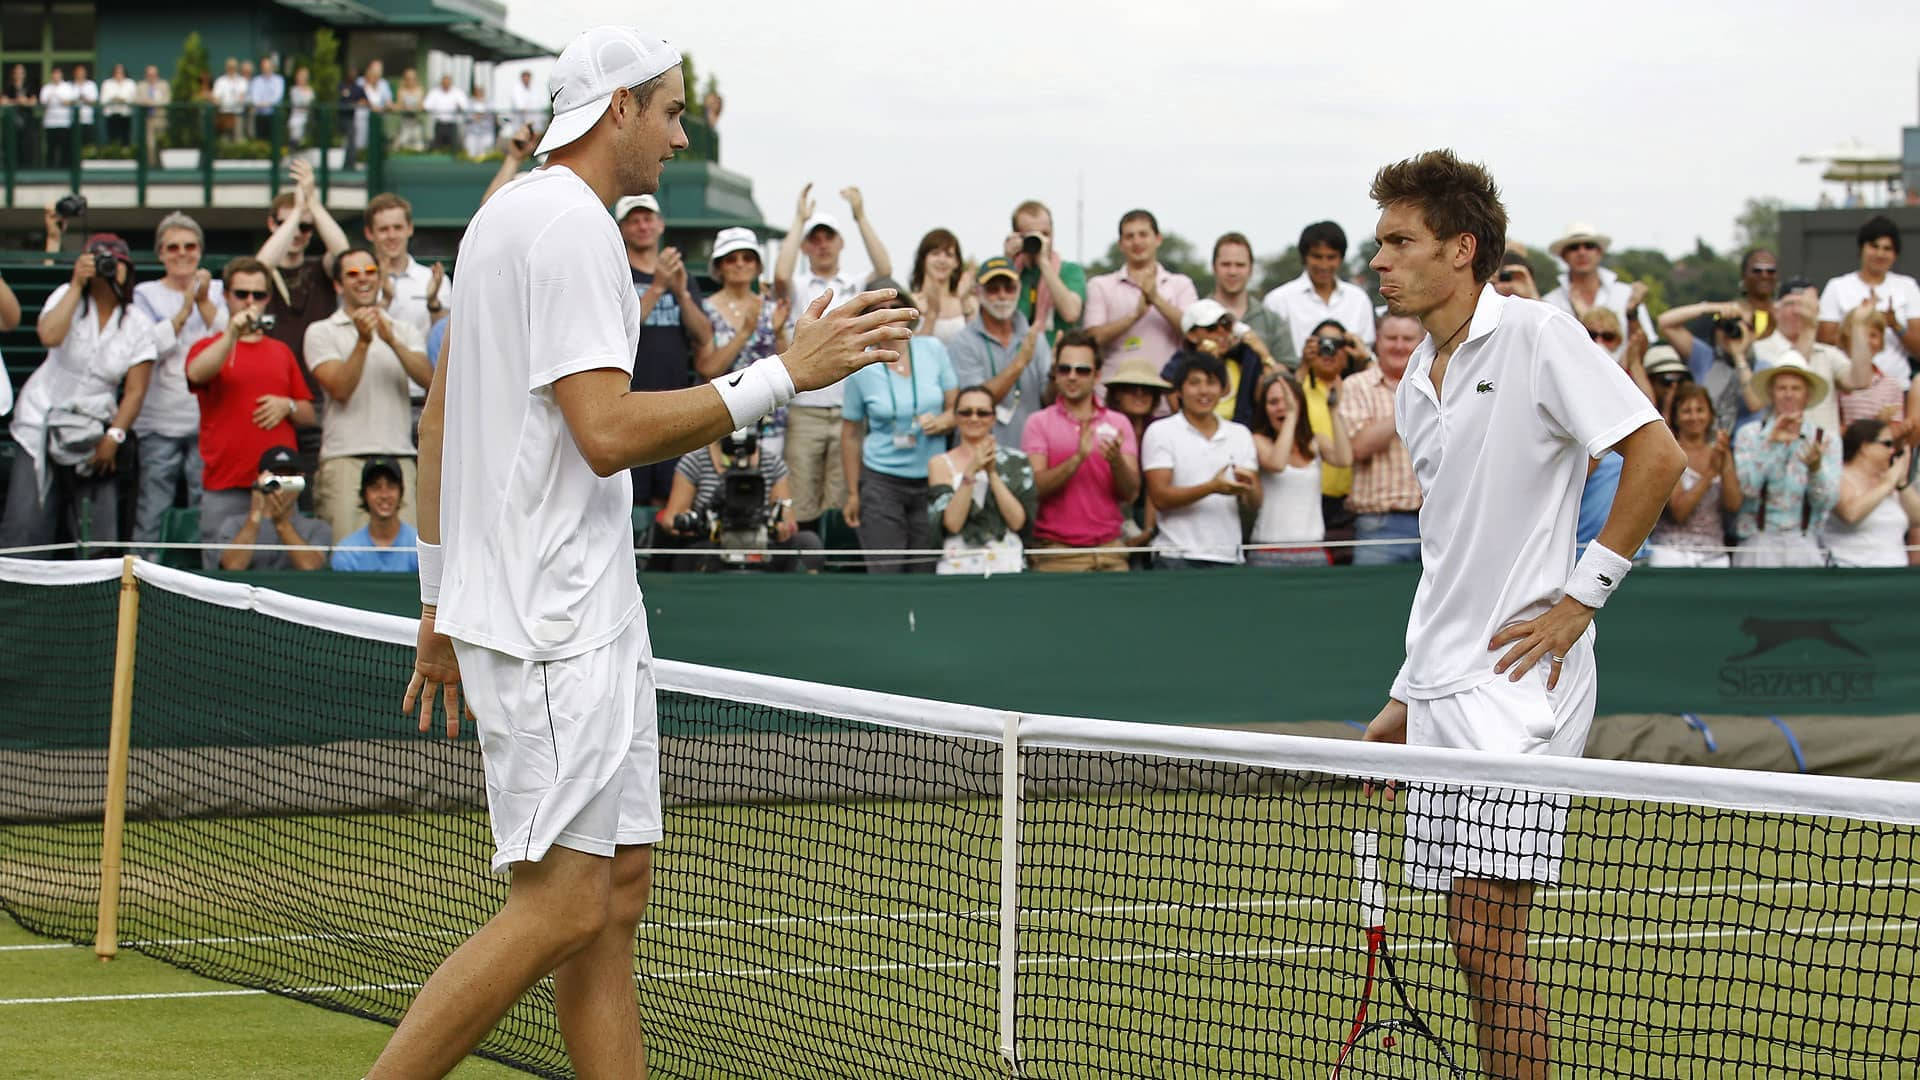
{"x": 176, "y": 248}
{"x": 361, "y": 274}
{"x": 1583, "y": 245}
{"x": 1073, "y": 369}
{"x": 972, "y": 414}
{"x": 1604, "y": 337}
{"x": 1764, "y": 271}
{"x": 247, "y": 294}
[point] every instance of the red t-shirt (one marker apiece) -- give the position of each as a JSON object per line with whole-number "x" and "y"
{"x": 230, "y": 442}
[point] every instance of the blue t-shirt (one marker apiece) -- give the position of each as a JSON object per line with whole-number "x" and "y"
{"x": 1596, "y": 502}
{"x": 889, "y": 403}
{"x": 358, "y": 553}
{"x": 434, "y": 337}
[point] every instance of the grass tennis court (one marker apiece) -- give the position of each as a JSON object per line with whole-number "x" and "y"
{"x": 1162, "y": 934}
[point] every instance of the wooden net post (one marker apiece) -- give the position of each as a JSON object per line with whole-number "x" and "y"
{"x": 106, "y": 939}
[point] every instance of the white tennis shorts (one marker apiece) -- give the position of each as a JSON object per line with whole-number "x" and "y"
{"x": 1497, "y": 833}
{"x": 572, "y": 747}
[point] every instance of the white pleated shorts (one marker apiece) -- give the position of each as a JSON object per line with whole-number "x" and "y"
{"x": 572, "y": 747}
{"x": 1498, "y": 834}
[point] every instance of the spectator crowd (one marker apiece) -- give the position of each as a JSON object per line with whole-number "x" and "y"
{"x": 1044, "y": 417}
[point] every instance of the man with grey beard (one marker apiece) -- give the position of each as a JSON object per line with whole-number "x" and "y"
{"x": 997, "y": 349}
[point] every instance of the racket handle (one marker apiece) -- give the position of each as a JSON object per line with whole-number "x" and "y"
{"x": 1373, "y": 888}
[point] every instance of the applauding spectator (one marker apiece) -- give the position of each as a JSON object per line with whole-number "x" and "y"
{"x": 1385, "y": 498}
{"x": 1789, "y": 472}
{"x": 1201, "y": 472}
{"x": 980, "y": 494}
{"x": 1086, "y": 464}
{"x": 1290, "y": 455}
{"x": 1589, "y": 285}
{"x": 997, "y": 349}
{"x": 1877, "y": 504}
{"x": 942, "y": 286}
{"x": 1690, "y": 533}
{"x": 273, "y": 518}
{"x": 1894, "y": 295}
{"x": 1208, "y": 327}
{"x": 699, "y": 492}
{"x": 897, "y": 417}
{"x": 1265, "y": 328}
{"x": 1878, "y": 395}
{"x": 73, "y": 414}
{"x": 1135, "y": 392}
{"x": 1135, "y": 310}
{"x": 412, "y": 290}
{"x": 365, "y": 360}
{"x": 1795, "y": 329}
{"x": 385, "y": 544}
{"x": 675, "y": 334}
{"x": 1053, "y": 291}
{"x": 301, "y": 285}
{"x": 185, "y": 306}
{"x": 252, "y": 394}
{"x": 1318, "y": 295}
{"x": 747, "y": 325}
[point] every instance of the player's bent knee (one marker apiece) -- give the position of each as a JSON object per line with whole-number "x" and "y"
{"x": 632, "y": 883}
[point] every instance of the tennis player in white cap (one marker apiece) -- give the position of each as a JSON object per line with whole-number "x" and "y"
{"x": 527, "y": 581}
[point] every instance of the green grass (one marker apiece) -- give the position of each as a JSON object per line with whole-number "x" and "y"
{"x": 1189, "y": 934}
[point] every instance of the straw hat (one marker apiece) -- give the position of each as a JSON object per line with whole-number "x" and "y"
{"x": 1138, "y": 371}
{"x": 1791, "y": 361}
{"x": 1577, "y": 233}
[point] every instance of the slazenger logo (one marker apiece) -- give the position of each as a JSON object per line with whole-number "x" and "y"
{"x": 1826, "y": 666}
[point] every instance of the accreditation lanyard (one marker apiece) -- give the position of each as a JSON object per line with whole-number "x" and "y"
{"x": 914, "y": 384}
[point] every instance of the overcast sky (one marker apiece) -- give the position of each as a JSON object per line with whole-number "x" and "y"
{"x": 1653, "y": 121}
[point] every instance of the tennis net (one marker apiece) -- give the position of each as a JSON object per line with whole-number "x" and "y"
{"x": 834, "y": 896}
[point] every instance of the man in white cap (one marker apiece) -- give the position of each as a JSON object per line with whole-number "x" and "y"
{"x": 676, "y": 337}
{"x": 1589, "y": 285}
{"x": 1207, "y": 326}
{"x": 525, "y": 444}
{"x": 813, "y": 420}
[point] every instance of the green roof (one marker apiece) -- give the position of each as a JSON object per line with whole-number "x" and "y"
{"x": 481, "y": 22}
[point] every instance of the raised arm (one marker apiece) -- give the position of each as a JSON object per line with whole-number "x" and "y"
{"x": 789, "y": 256}
{"x": 57, "y": 319}
{"x": 869, "y": 237}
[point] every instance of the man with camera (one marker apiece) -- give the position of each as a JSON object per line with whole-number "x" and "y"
{"x": 252, "y": 394}
{"x": 1724, "y": 367}
{"x": 1208, "y": 327}
{"x": 385, "y": 544}
{"x": 366, "y": 361}
{"x": 1053, "y": 292}
{"x": 735, "y": 496}
{"x": 273, "y": 518}
{"x": 1515, "y": 276}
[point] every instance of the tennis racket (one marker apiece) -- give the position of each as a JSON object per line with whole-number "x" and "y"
{"x": 1399, "y": 1046}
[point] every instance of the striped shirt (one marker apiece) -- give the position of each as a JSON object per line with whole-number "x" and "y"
{"x": 1384, "y": 483}
{"x": 1880, "y": 395}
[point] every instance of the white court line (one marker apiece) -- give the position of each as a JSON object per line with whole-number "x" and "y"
{"x": 1879, "y": 926}
{"x": 1404, "y": 899}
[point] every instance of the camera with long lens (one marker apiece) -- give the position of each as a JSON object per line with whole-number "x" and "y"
{"x": 1030, "y": 245}
{"x": 269, "y": 482}
{"x": 1730, "y": 326}
{"x": 740, "y": 520}
{"x": 70, "y": 206}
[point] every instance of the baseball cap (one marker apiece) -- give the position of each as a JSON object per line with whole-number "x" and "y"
{"x": 998, "y": 266}
{"x": 1202, "y": 313}
{"x": 629, "y": 203}
{"x": 821, "y": 220}
{"x": 279, "y": 460}
{"x": 381, "y": 466}
{"x": 590, "y": 69}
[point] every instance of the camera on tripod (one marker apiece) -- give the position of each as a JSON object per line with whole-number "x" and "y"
{"x": 740, "y": 521}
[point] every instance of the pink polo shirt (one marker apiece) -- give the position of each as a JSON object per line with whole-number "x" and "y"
{"x": 1084, "y": 512}
{"x": 1110, "y": 296}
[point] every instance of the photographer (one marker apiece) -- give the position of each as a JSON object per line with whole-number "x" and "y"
{"x": 699, "y": 501}
{"x": 252, "y": 394}
{"x": 1208, "y": 327}
{"x": 1516, "y": 276}
{"x": 1332, "y": 353}
{"x": 273, "y": 509}
{"x": 74, "y": 411}
{"x": 1723, "y": 367}
{"x": 1050, "y": 287}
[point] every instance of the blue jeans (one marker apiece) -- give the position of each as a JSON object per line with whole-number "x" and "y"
{"x": 1399, "y": 525}
{"x": 164, "y": 461}
{"x": 1175, "y": 562}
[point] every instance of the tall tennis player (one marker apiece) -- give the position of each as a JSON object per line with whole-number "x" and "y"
{"x": 1502, "y": 407}
{"x": 529, "y": 604}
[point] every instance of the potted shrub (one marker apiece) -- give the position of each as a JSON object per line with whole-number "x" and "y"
{"x": 181, "y": 139}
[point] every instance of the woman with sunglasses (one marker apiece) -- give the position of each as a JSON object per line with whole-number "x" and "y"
{"x": 187, "y": 304}
{"x": 1629, "y": 350}
{"x": 1290, "y": 454}
{"x": 980, "y": 496}
{"x": 747, "y": 325}
{"x": 895, "y": 419}
{"x": 1691, "y": 532}
{"x": 1877, "y": 503}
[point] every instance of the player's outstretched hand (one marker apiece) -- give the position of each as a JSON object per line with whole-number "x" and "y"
{"x": 435, "y": 669}
{"x": 1549, "y": 637}
{"x": 830, "y": 345}
{"x": 1389, "y": 725}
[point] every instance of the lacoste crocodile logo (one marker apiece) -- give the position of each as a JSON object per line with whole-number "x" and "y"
{"x": 1485, "y": 387}
{"x": 1605, "y": 580}
{"x": 1770, "y": 634}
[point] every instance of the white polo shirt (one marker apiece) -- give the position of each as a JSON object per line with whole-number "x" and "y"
{"x": 539, "y": 550}
{"x": 1899, "y": 294}
{"x": 1207, "y": 530}
{"x": 409, "y": 304}
{"x": 807, "y": 287}
{"x": 1501, "y": 459}
{"x": 1303, "y": 309}
{"x": 1613, "y": 295}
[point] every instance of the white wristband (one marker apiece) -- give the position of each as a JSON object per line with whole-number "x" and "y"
{"x": 431, "y": 563}
{"x": 752, "y": 393}
{"x": 1598, "y": 573}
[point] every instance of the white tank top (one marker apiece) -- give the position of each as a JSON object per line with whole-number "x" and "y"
{"x": 948, "y": 328}
{"x": 1290, "y": 506}
{"x": 1879, "y": 539}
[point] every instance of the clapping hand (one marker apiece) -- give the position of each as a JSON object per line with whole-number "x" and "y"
{"x": 672, "y": 269}
{"x": 803, "y": 207}
{"x": 202, "y": 282}
{"x": 854, "y": 201}
{"x": 366, "y": 322}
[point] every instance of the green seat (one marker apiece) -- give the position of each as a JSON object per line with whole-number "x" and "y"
{"x": 643, "y": 529}
{"x": 835, "y": 533}
{"x": 180, "y": 526}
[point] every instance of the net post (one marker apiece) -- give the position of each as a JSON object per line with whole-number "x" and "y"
{"x": 106, "y": 938}
{"x": 1009, "y": 886}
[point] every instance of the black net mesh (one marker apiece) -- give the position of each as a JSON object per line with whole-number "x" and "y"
{"x": 827, "y": 899}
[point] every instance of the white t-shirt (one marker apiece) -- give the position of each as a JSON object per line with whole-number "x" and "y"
{"x": 170, "y": 408}
{"x": 807, "y": 287}
{"x": 1207, "y": 530}
{"x": 59, "y": 99}
{"x": 377, "y": 418}
{"x": 230, "y": 93}
{"x": 1502, "y": 461}
{"x": 539, "y": 550}
{"x": 90, "y": 362}
{"x": 1899, "y": 294}
{"x": 444, "y": 106}
{"x": 1303, "y": 309}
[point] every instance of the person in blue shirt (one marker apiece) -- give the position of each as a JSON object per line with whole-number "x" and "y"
{"x": 385, "y": 544}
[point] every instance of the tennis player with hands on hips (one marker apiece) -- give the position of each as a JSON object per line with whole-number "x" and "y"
{"x": 1501, "y": 408}
{"x": 530, "y": 608}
